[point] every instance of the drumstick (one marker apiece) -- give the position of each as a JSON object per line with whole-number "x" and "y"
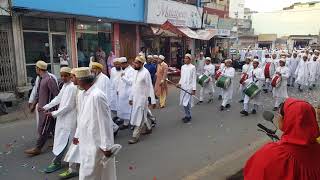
{"x": 183, "y": 89}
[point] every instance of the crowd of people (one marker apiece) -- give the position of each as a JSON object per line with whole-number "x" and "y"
{"x": 91, "y": 107}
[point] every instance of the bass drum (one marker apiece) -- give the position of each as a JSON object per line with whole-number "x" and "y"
{"x": 251, "y": 90}
{"x": 244, "y": 77}
{"x": 269, "y": 70}
{"x": 276, "y": 81}
{"x": 203, "y": 80}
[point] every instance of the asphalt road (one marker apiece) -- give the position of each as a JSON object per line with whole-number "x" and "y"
{"x": 173, "y": 151}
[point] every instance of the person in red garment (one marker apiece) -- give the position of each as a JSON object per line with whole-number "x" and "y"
{"x": 296, "y": 156}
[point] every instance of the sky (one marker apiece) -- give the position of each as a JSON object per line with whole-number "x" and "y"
{"x": 270, "y": 5}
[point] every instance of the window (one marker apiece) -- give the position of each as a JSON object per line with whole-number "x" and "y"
{"x": 57, "y": 25}
{"x": 32, "y": 23}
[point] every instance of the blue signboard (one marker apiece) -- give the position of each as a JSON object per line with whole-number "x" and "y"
{"x": 127, "y": 10}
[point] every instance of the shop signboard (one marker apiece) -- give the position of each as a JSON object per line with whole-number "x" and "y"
{"x": 210, "y": 20}
{"x": 179, "y": 14}
{"x": 223, "y": 32}
{"x": 226, "y": 23}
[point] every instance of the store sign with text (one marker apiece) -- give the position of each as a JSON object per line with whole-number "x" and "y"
{"x": 210, "y": 20}
{"x": 179, "y": 14}
{"x": 223, "y": 32}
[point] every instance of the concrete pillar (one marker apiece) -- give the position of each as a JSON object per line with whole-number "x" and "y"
{"x": 18, "y": 44}
{"x": 73, "y": 41}
{"x": 137, "y": 39}
{"x": 116, "y": 39}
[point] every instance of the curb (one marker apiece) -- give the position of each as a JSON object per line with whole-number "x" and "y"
{"x": 228, "y": 165}
{"x": 21, "y": 113}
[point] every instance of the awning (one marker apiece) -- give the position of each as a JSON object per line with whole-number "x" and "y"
{"x": 206, "y": 34}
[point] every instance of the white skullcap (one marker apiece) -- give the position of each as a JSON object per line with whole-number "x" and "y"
{"x": 141, "y": 54}
{"x": 256, "y": 60}
{"x": 65, "y": 70}
{"x": 201, "y": 53}
{"x": 283, "y": 60}
{"x": 149, "y": 56}
{"x": 228, "y": 60}
{"x": 305, "y": 55}
{"x": 208, "y": 58}
{"x": 116, "y": 60}
{"x": 155, "y": 56}
{"x": 161, "y": 57}
{"x": 123, "y": 60}
{"x": 189, "y": 56}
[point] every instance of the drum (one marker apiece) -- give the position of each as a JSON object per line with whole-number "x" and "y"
{"x": 217, "y": 75}
{"x": 276, "y": 81}
{"x": 244, "y": 77}
{"x": 223, "y": 82}
{"x": 269, "y": 70}
{"x": 203, "y": 79}
{"x": 251, "y": 90}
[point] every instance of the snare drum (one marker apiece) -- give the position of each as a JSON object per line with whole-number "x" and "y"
{"x": 251, "y": 90}
{"x": 269, "y": 70}
{"x": 244, "y": 77}
{"x": 203, "y": 80}
{"x": 276, "y": 81}
{"x": 217, "y": 75}
{"x": 223, "y": 82}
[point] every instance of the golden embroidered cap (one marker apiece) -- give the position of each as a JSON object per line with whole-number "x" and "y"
{"x": 96, "y": 65}
{"x": 65, "y": 70}
{"x": 83, "y": 72}
{"x": 42, "y": 65}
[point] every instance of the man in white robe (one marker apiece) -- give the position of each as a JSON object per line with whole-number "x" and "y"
{"x": 227, "y": 93}
{"x": 246, "y": 68}
{"x": 115, "y": 76}
{"x": 302, "y": 73}
{"x": 281, "y": 93}
{"x": 221, "y": 67}
{"x": 142, "y": 88}
{"x": 313, "y": 66}
{"x": 255, "y": 75}
{"x": 208, "y": 88}
{"x": 124, "y": 91}
{"x": 200, "y": 63}
{"x": 267, "y": 85}
{"x": 187, "y": 82}
{"x": 94, "y": 132}
{"x": 73, "y": 154}
{"x": 66, "y": 119}
{"x": 103, "y": 83}
{"x": 292, "y": 64}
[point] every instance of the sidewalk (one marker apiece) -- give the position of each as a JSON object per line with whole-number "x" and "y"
{"x": 15, "y": 113}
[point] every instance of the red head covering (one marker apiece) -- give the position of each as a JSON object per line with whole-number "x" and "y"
{"x": 300, "y": 125}
{"x": 297, "y": 155}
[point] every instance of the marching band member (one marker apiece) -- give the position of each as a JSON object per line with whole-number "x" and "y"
{"x": 103, "y": 83}
{"x": 161, "y": 88}
{"x": 124, "y": 91}
{"x": 267, "y": 85}
{"x": 227, "y": 93}
{"x": 280, "y": 93}
{"x": 199, "y": 63}
{"x": 115, "y": 75}
{"x": 221, "y": 67}
{"x": 66, "y": 119}
{"x": 142, "y": 88}
{"x": 208, "y": 88}
{"x": 255, "y": 75}
{"x": 246, "y": 68}
{"x": 302, "y": 73}
{"x": 275, "y": 60}
{"x": 187, "y": 82}
{"x": 95, "y": 130}
{"x": 292, "y": 65}
{"x": 314, "y": 71}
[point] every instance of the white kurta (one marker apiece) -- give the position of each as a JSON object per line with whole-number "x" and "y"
{"x": 228, "y": 92}
{"x": 114, "y": 80}
{"x": 313, "y": 67}
{"x": 209, "y": 70}
{"x": 66, "y": 116}
{"x": 73, "y": 154}
{"x": 188, "y": 82}
{"x": 292, "y": 65}
{"x": 124, "y": 89}
{"x": 302, "y": 73}
{"x": 281, "y": 91}
{"x": 257, "y": 76}
{"x": 103, "y": 83}
{"x": 142, "y": 88}
{"x": 246, "y": 68}
{"x": 95, "y": 133}
{"x": 200, "y": 66}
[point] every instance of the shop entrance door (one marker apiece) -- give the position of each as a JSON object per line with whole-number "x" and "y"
{"x": 57, "y": 41}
